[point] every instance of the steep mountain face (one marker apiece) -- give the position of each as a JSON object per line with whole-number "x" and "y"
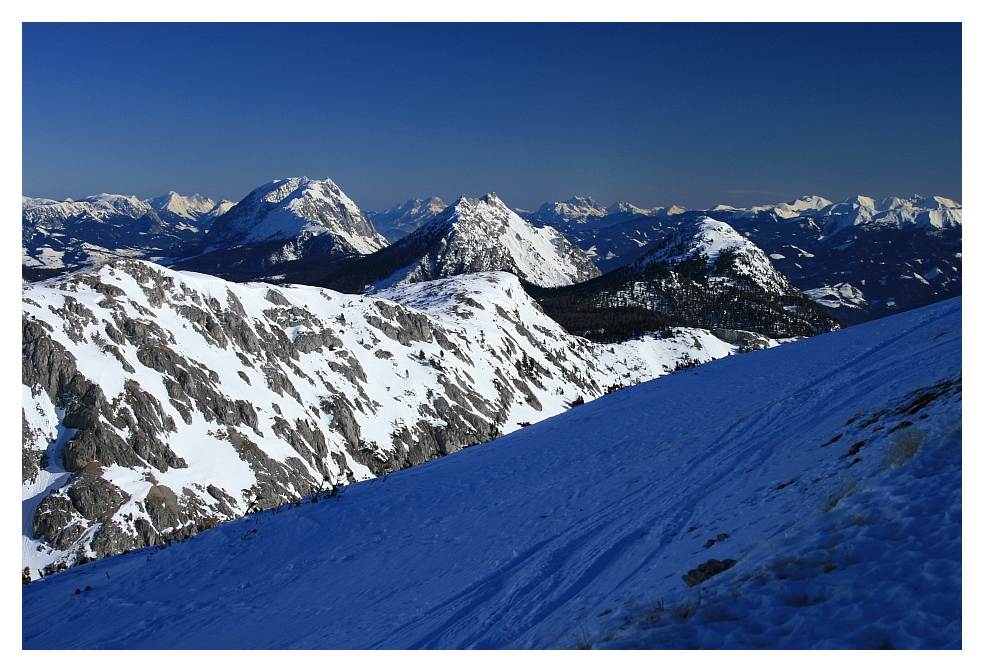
{"x": 285, "y": 224}
{"x": 176, "y": 209}
{"x": 470, "y": 236}
{"x": 702, "y": 274}
{"x": 157, "y": 403}
{"x": 400, "y": 220}
{"x": 58, "y": 235}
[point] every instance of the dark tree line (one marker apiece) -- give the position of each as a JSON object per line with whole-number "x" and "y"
{"x": 626, "y": 303}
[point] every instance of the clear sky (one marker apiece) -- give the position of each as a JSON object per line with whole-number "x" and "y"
{"x": 653, "y": 114}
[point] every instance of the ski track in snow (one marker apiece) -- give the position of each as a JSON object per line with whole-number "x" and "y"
{"x": 576, "y": 531}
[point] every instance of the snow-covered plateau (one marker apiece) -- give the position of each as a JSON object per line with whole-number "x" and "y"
{"x": 807, "y": 496}
{"x": 157, "y": 403}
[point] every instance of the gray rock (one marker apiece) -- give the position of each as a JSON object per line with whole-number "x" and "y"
{"x": 706, "y": 570}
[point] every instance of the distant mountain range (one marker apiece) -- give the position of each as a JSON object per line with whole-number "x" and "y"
{"x": 306, "y": 349}
{"x": 400, "y": 220}
{"x": 585, "y": 211}
{"x": 66, "y": 234}
{"x": 862, "y": 258}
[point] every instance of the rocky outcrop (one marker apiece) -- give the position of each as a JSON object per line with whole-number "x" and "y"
{"x": 747, "y": 340}
{"x": 159, "y": 403}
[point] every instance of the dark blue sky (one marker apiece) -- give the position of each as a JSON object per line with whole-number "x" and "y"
{"x": 653, "y": 114}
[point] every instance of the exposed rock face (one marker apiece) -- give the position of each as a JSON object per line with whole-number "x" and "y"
{"x": 748, "y": 340}
{"x": 706, "y": 570}
{"x": 158, "y": 403}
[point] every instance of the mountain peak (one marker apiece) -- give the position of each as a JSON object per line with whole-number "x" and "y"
{"x": 284, "y": 224}
{"x": 292, "y": 208}
{"x": 709, "y": 239}
{"x": 188, "y": 208}
{"x": 473, "y": 235}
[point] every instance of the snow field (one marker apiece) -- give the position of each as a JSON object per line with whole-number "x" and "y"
{"x": 792, "y": 462}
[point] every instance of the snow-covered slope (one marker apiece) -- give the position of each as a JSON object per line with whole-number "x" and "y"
{"x": 799, "y": 497}
{"x": 727, "y": 256}
{"x": 284, "y": 223}
{"x": 157, "y": 403}
{"x": 472, "y": 235}
{"x": 398, "y": 221}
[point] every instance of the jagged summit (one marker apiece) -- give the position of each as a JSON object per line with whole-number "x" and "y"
{"x": 472, "y": 235}
{"x": 483, "y": 234}
{"x": 292, "y": 209}
{"x": 188, "y": 208}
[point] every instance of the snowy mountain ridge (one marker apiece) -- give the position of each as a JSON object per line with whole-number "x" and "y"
{"x": 585, "y": 211}
{"x": 60, "y": 234}
{"x": 472, "y": 235}
{"x": 195, "y": 208}
{"x": 807, "y": 496}
{"x": 862, "y": 211}
{"x": 891, "y": 213}
{"x": 292, "y": 209}
{"x": 157, "y": 402}
{"x": 98, "y": 208}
